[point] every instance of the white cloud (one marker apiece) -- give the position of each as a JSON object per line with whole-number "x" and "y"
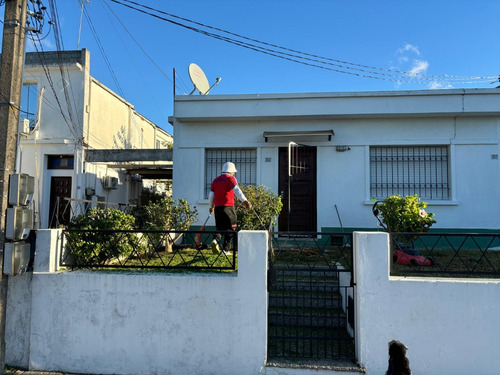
{"x": 438, "y": 85}
{"x": 419, "y": 66}
{"x": 409, "y": 47}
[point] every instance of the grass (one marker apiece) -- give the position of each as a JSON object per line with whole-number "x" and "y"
{"x": 180, "y": 260}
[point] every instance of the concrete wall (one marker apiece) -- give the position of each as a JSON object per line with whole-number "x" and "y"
{"x": 449, "y": 325}
{"x": 143, "y": 323}
{"x": 151, "y": 323}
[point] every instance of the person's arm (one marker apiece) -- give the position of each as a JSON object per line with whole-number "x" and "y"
{"x": 239, "y": 194}
{"x": 211, "y": 201}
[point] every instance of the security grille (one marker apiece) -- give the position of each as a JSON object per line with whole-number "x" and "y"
{"x": 244, "y": 159}
{"x": 409, "y": 170}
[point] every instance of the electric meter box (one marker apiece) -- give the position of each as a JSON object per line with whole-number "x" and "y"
{"x": 21, "y": 189}
{"x": 16, "y": 258}
{"x": 19, "y": 223}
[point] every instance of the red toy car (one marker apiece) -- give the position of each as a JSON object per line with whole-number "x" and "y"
{"x": 411, "y": 257}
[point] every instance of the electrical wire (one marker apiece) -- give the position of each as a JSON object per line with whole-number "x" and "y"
{"x": 103, "y": 52}
{"x": 62, "y": 70}
{"x": 304, "y": 58}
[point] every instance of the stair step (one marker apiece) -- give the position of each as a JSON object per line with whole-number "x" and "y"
{"x": 332, "y": 318}
{"x": 285, "y": 299}
{"x": 307, "y": 272}
{"x": 306, "y": 285}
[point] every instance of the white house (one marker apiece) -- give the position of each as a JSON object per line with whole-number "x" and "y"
{"x": 66, "y": 115}
{"x": 347, "y": 150}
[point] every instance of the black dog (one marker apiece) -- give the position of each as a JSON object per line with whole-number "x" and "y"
{"x": 398, "y": 363}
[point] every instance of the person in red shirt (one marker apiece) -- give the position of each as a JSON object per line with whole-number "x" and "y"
{"x": 221, "y": 201}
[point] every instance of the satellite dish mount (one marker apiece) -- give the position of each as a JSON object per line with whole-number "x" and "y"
{"x": 200, "y": 80}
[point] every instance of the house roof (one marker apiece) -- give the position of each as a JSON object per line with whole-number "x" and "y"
{"x": 372, "y": 104}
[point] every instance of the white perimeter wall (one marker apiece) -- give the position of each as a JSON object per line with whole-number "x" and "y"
{"x": 147, "y": 323}
{"x": 143, "y": 323}
{"x": 450, "y": 326}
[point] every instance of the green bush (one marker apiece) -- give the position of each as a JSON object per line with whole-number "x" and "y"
{"x": 406, "y": 214}
{"x": 266, "y": 208}
{"x": 156, "y": 211}
{"x": 96, "y": 247}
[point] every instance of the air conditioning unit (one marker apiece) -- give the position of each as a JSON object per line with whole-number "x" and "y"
{"x": 25, "y": 125}
{"x": 16, "y": 258}
{"x": 109, "y": 182}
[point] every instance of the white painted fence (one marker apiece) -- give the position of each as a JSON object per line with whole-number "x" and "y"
{"x": 137, "y": 323}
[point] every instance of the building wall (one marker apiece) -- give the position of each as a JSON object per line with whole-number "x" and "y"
{"x": 457, "y": 119}
{"x": 90, "y": 115}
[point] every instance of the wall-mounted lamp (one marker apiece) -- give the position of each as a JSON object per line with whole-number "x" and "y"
{"x": 342, "y": 148}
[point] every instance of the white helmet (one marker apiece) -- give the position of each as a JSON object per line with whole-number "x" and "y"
{"x": 229, "y": 167}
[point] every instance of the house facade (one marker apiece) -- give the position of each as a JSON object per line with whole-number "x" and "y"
{"x": 333, "y": 155}
{"x": 65, "y": 114}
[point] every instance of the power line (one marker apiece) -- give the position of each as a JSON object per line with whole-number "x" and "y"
{"x": 304, "y": 58}
{"x": 103, "y": 52}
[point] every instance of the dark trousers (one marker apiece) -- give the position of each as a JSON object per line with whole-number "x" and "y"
{"x": 225, "y": 220}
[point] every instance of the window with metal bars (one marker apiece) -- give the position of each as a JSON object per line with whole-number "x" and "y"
{"x": 245, "y": 160}
{"x": 409, "y": 170}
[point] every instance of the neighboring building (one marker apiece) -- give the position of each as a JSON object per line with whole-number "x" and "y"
{"x": 347, "y": 151}
{"x": 66, "y": 115}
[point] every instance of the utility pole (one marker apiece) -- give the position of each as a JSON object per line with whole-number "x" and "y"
{"x": 11, "y": 69}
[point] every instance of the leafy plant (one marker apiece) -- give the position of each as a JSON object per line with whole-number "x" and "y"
{"x": 95, "y": 247}
{"x": 406, "y": 214}
{"x": 156, "y": 211}
{"x": 266, "y": 208}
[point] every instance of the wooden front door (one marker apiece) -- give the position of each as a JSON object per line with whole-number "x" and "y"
{"x": 60, "y": 209}
{"x": 298, "y": 190}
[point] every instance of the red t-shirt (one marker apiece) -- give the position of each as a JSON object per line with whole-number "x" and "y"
{"x": 222, "y": 187}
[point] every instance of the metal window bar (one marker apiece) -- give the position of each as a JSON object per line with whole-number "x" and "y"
{"x": 245, "y": 161}
{"x": 421, "y": 170}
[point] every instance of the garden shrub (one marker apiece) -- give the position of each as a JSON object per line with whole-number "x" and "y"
{"x": 156, "y": 211}
{"x": 96, "y": 247}
{"x": 406, "y": 214}
{"x": 266, "y": 208}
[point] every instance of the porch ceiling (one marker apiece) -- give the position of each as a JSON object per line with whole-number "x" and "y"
{"x": 148, "y": 163}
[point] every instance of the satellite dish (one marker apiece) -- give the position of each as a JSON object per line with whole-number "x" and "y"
{"x": 200, "y": 80}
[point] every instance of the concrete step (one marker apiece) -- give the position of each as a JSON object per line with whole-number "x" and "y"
{"x": 323, "y": 300}
{"x": 315, "y": 317}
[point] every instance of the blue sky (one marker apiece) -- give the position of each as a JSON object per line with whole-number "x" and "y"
{"x": 405, "y": 45}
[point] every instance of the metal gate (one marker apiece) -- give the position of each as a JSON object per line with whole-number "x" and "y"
{"x": 311, "y": 298}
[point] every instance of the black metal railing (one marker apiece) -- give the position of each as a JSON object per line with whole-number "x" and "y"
{"x": 446, "y": 254}
{"x": 311, "y": 298}
{"x": 148, "y": 249}
{"x": 311, "y": 249}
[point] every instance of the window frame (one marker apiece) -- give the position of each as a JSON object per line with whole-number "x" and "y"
{"x": 433, "y": 181}
{"x": 29, "y": 102}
